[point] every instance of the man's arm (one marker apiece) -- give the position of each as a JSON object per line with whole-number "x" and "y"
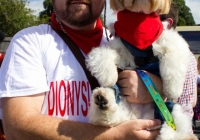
{"x": 22, "y": 120}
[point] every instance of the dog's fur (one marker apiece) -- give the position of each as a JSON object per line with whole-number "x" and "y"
{"x": 145, "y": 6}
{"x": 174, "y": 57}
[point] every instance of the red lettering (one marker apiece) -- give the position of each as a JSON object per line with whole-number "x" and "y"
{"x": 77, "y": 94}
{"x": 57, "y": 98}
{"x": 51, "y": 92}
{"x": 84, "y": 89}
{"x": 64, "y": 95}
{"x": 70, "y": 99}
{"x": 62, "y": 84}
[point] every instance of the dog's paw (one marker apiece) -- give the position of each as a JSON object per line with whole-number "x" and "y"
{"x": 101, "y": 101}
{"x": 102, "y": 63}
{"x": 104, "y": 111}
{"x": 104, "y": 98}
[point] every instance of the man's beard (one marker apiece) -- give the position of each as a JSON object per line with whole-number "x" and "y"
{"x": 79, "y": 21}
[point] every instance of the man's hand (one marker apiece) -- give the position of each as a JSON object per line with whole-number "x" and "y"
{"x": 138, "y": 129}
{"x": 133, "y": 87}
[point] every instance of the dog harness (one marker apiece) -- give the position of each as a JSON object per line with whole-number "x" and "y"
{"x": 144, "y": 59}
{"x": 117, "y": 93}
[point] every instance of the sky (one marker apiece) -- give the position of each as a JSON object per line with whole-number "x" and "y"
{"x": 194, "y": 5}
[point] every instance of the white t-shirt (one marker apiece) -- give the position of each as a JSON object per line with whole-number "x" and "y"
{"x": 37, "y": 61}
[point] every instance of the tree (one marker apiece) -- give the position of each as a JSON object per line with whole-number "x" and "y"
{"x": 46, "y": 14}
{"x": 185, "y": 15}
{"x": 15, "y": 16}
{"x": 2, "y": 36}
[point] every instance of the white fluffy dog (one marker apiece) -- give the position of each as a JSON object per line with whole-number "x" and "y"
{"x": 174, "y": 57}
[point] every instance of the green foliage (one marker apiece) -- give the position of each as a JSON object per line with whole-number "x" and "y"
{"x": 14, "y": 16}
{"x": 185, "y": 15}
{"x": 46, "y": 14}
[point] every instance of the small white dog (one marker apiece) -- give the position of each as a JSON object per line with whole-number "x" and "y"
{"x": 174, "y": 57}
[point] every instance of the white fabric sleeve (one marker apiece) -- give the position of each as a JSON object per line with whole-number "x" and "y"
{"x": 22, "y": 72}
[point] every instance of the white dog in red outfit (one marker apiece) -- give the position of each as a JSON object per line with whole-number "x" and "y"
{"x": 139, "y": 24}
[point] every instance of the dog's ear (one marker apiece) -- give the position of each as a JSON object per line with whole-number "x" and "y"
{"x": 117, "y": 5}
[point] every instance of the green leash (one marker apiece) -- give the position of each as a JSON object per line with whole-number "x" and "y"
{"x": 157, "y": 98}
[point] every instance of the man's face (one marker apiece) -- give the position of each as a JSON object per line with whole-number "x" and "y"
{"x": 78, "y": 12}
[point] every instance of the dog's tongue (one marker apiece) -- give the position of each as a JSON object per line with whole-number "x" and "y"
{"x": 139, "y": 29}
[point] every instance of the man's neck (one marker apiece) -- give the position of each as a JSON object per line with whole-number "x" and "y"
{"x": 84, "y": 28}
